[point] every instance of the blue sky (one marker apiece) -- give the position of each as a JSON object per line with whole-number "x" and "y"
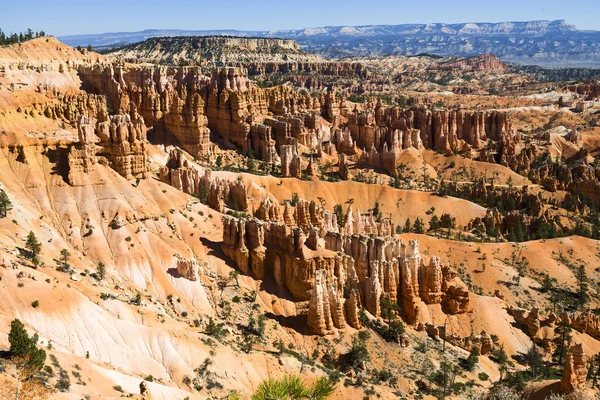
{"x": 65, "y": 17}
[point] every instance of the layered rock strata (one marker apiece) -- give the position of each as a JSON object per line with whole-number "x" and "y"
{"x": 339, "y": 270}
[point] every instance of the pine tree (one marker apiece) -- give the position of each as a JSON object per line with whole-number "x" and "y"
{"x": 23, "y": 346}
{"x": 473, "y": 359}
{"x": 407, "y": 226}
{"x": 33, "y": 245}
{"x": 64, "y": 253}
{"x": 101, "y": 271}
{"x": 434, "y": 224}
{"x": 564, "y": 331}
{"x": 582, "y": 293}
{"x": 5, "y": 203}
{"x": 418, "y": 226}
{"x": 534, "y": 359}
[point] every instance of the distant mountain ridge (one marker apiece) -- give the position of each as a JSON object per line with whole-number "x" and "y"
{"x": 215, "y": 51}
{"x": 544, "y": 43}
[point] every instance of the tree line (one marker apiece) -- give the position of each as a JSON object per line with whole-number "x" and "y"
{"x": 12, "y": 38}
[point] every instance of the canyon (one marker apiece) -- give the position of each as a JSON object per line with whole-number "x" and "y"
{"x": 205, "y": 227}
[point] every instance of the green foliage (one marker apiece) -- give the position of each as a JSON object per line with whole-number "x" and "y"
{"x": 21, "y": 345}
{"x": 434, "y": 224}
{"x": 33, "y": 245}
{"x": 5, "y": 203}
{"x": 295, "y": 199}
{"x": 534, "y": 360}
{"x": 418, "y": 226}
{"x": 583, "y": 290}
{"x": 101, "y": 271}
{"x": 65, "y": 254}
{"x": 214, "y": 329}
{"x": 473, "y": 359}
{"x": 292, "y": 388}
{"x": 6, "y": 39}
{"x": 357, "y": 354}
{"x": 339, "y": 214}
{"x": 137, "y": 301}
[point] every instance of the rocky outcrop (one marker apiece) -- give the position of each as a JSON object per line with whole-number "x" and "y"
{"x": 589, "y": 90}
{"x": 118, "y": 142}
{"x": 82, "y": 155}
{"x": 268, "y": 211}
{"x": 575, "y": 369}
{"x": 319, "y": 312}
{"x": 186, "y": 176}
{"x": 481, "y": 63}
{"x": 291, "y": 166}
{"x": 483, "y": 342}
{"x": 441, "y": 129}
{"x": 123, "y": 144}
{"x": 343, "y": 167}
{"x": 575, "y": 137}
{"x": 317, "y": 263}
{"x": 188, "y": 269}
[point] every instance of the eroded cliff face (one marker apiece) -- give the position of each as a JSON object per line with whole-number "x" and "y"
{"x": 340, "y": 270}
{"x": 181, "y": 106}
{"x": 118, "y": 142}
{"x": 186, "y": 176}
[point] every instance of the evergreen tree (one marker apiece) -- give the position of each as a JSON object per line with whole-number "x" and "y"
{"x": 407, "y": 226}
{"x": 33, "y": 245}
{"x": 251, "y": 163}
{"x": 64, "y": 253}
{"x": 564, "y": 331}
{"x": 434, "y": 224}
{"x": 389, "y": 312}
{"x": 582, "y": 293}
{"x": 23, "y": 346}
{"x": 418, "y": 226}
{"x": 339, "y": 214}
{"x": 101, "y": 271}
{"x": 89, "y": 48}
{"x": 547, "y": 284}
{"x": 5, "y": 203}
{"x": 473, "y": 359}
{"x": 534, "y": 360}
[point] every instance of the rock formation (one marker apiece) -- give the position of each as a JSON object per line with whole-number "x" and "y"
{"x": 575, "y": 369}
{"x": 119, "y": 142}
{"x": 188, "y": 269}
{"x": 318, "y": 263}
{"x": 319, "y": 311}
{"x": 213, "y": 191}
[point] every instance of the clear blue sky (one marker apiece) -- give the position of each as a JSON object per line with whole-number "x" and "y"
{"x": 66, "y": 17}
